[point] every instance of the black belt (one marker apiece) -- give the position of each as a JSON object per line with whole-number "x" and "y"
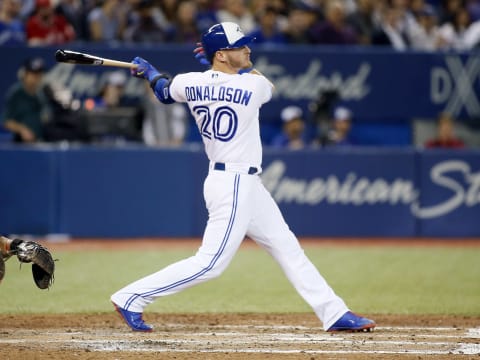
{"x": 221, "y": 166}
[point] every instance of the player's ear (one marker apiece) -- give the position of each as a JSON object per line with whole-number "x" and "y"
{"x": 220, "y": 56}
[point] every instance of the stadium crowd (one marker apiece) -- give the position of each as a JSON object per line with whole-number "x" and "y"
{"x": 401, "y": 24}
{"x": 33, "y": 113}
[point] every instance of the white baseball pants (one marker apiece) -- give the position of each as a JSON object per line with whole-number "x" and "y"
{"x": 238, "y": 205}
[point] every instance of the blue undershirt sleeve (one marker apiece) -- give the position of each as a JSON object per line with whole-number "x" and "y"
{"x": 161, "y": 88}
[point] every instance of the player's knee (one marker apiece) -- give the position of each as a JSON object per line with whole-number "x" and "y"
{"x": 212, "y": 267}
{"x": 215, "y": 272}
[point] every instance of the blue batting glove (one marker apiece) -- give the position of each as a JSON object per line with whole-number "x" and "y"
{"x": 200, "y": 55}
{"x": 144, "y": 69}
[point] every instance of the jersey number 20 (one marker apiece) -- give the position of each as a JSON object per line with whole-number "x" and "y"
{"x": 221, "y": 125}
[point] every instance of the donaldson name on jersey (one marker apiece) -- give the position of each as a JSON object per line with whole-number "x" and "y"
{"x": 218, "y": 93}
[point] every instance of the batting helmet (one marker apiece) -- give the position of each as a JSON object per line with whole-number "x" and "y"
{"x": 226, "y": 35}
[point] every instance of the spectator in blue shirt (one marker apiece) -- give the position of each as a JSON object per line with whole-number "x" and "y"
{"x": 206, "y": 15}
{"x": 293, "y": 129}
{"x": 12, "y": 30}
{"x": 268, "y": 32}
{"x": 339, "y": 133}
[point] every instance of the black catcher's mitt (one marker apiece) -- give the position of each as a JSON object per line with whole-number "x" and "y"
{"x": 43, "y": 265}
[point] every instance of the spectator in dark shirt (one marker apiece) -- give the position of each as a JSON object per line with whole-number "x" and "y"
{"x": 473, "y": 8}
{"x": 362, "y": 21}
{"x": 391, "y": 32}
{"x": 448, "y": 9}
{"x": 334, "y": 30}
{"x": 76, "y": 14}
{"x": 184, "y": 27}
{"x": 445, "y": 137}
{"x": 145, "y": 27}
{"x": 24, "y": 105}
{"x": 268, "y": 32}
{"x": 300, "y": 19}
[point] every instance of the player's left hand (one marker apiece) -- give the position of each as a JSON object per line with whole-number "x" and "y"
{"x": 144, "y": 69}
{"x": 200, "y": 55}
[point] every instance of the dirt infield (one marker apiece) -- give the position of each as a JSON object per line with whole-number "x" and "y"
{"x": 234, "y": 336}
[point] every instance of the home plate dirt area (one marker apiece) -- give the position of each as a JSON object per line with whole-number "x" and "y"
{"x": 235, "y": 336}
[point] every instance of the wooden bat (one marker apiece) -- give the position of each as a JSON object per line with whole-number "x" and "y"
{"x": 78, "y": 58}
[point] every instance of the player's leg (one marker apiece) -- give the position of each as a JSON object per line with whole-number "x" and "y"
{"x": 269, "y": 229}
{"x": 4, "y": 254}
{"x": 227, "y": 198}
{"x": 6, "y": 247}
{"x": 2, "y": 268}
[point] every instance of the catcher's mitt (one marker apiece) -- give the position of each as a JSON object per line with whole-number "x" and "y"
{"x": 43, "y": 265}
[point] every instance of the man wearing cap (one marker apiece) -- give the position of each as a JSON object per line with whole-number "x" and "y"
{"x": 339, "y": 134}
{"x": 225, "y": 102}
{"x": 24, "y": 104}
{"x": 293, "y": 127}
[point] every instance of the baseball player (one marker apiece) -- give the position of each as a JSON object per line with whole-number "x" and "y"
{"x": 225, "y": 103}
{"x": 43, "y": 265}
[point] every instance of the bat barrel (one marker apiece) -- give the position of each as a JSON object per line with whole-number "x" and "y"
{"x": 78, "y": 58}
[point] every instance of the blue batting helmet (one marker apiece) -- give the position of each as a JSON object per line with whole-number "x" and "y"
{"x": 226, "y": 35}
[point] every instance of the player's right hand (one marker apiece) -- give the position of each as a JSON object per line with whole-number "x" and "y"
{"x": 26, "y": 134}
{"x": 144, "y": 69}
{"x": 200, "y": 54}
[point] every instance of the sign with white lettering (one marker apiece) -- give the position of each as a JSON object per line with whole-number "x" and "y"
{"x": 338, "y": 193}
{"x": 373, "y": 193}
{"x": 449, "y": 201}
{"x": 377, "y": 84}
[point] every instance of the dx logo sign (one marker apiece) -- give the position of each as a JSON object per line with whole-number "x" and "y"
{"x": 457, "y": 85}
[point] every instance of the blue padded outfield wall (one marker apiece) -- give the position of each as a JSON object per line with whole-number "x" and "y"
{"x": 137, "y": 191}
{"x": 379, "y": 85}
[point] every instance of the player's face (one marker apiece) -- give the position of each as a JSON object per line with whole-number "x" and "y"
{"x": 238, "y": 58}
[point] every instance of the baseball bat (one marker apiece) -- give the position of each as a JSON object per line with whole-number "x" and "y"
{"x": 78, "y": 58}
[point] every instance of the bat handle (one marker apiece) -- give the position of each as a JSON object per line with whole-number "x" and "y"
{"x": 109, "y": 62}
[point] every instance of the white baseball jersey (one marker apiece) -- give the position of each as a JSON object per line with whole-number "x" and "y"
{"x": 226, "y": 110}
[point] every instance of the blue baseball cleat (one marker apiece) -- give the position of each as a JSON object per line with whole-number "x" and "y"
{"x": 352, "y": 323}
{"x": 133, "y": 319}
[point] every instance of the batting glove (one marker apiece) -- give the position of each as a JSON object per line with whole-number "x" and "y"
{"x": 144, "y": 69}
{"x": 200, "y": 55}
